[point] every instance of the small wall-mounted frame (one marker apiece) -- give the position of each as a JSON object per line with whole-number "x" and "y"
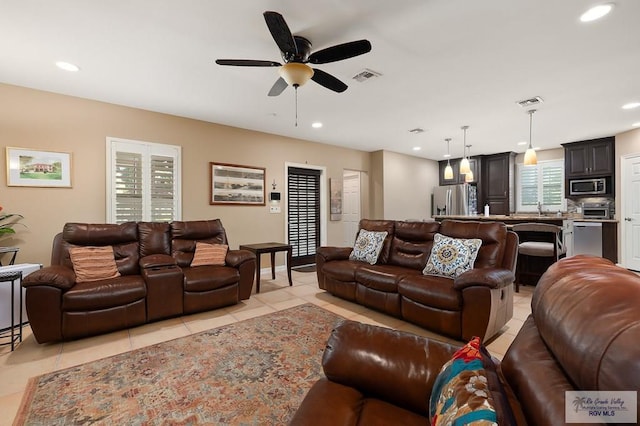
{"x": 335, "y": 187}
{"x": 233, "y": 184}
{"x": 29, "y": 167}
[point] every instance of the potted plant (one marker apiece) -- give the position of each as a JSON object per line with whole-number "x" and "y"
{"x": 8, "y": 221}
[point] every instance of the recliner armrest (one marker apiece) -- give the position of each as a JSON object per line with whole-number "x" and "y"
{"x": 57, "y": 276}
{"x": 235, "y": 258}
{"x": 488, "y": 277}
{"x": 156, "y": 261}
{"x": 391, "y": 365}
{"x": 334, "y": 253}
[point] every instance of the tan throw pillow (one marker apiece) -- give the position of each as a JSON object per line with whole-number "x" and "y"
{"x": 209, "y": 254}
{"x": 93, "y": 263}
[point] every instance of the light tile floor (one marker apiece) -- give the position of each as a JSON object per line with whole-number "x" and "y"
{"x": 32, "y": 359}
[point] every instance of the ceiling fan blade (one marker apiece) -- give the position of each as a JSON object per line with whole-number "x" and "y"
{"x": 328, "y": 81}
{"x": 278, "y": 87}
{"x": 247, "y": 63}
{"x": 280, "y": 32}
{"x": 340, "y": 52}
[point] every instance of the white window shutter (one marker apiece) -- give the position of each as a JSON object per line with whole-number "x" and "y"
{"x": 542, "y": 183}
{"x": 128, "y": 187}
{"x": 143, "y": 181}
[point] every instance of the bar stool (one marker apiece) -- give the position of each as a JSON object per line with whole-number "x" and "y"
{"x": 537, "y": 240}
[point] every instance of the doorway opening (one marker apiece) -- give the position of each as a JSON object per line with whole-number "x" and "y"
{"x": 304, "y": 213}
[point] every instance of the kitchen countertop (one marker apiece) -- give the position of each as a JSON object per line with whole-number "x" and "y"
{"x": 528, "y": 217}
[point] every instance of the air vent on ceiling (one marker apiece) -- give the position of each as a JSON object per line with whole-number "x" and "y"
{"x": 416, "y": 130}
{"x": 530, "y": 102}
{"x": 366, "y": 74}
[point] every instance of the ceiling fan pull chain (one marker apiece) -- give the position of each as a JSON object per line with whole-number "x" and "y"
{"x": 296, "y": 89}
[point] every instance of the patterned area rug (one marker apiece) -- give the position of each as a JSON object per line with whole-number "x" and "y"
{"x": 254, "y": 372}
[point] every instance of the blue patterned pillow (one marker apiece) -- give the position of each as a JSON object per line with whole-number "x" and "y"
{"x": 368, "y": 246}
{"x": 451, "y": 257}
{"x": 468, "y": 391}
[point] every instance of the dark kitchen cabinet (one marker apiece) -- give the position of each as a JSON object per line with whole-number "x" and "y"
{"x": 474, "y": 164}
{"x": 592, "y": 158}
{"x": 498, "y": 182}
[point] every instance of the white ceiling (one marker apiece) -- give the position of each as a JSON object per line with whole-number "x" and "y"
{"x": 444, "y": 64}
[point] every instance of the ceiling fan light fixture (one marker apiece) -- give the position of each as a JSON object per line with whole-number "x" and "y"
{"x": 295, "y": 73}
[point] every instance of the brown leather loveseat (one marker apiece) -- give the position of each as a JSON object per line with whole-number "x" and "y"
{"x": 155, "y": 278}
{"x": 479, "y": 302}
{"x": 582, "y": 334}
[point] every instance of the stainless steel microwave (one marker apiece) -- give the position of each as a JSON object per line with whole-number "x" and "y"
{"x": 588, "y": 186}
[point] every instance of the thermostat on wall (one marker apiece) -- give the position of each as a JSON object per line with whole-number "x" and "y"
{"x": 274, "y": 196}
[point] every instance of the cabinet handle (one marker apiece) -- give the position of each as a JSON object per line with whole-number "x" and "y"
{"x": 628, "y": 219}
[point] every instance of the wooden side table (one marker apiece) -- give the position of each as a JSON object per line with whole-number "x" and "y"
{"x": 13, "y": 277}
{"x": 272, "y": 248}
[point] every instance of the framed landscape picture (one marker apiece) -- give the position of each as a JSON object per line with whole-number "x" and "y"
{"x": 233, "y": 184}
{"x": 28, "y": 167}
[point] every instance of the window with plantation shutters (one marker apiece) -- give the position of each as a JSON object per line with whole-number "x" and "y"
{"x": 303, "y": 214}
{"x": 542, "y": 183}
{"x": 143, "y": 181}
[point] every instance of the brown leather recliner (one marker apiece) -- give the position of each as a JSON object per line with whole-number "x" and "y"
{"x": 155, "y": 279}
{"x": 479, "y": 302}
{"x": 582, "y": 334}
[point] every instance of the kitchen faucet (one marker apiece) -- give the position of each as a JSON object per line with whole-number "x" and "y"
{"x": 539, "y": 208}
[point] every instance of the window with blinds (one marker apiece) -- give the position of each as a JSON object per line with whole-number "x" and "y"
{"x": 143, "y": 181}
{"x": 303, "y": 213}
{"x": 542, "y": 183}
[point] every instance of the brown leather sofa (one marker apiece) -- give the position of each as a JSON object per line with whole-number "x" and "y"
{"x": 582, "y": 334}
{"x": 155, "y": 279}
{"x": 478, "y": 302}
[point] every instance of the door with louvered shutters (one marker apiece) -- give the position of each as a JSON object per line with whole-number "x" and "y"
{"x": 303, "y": 214}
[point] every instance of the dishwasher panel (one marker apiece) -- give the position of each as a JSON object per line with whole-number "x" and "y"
{"x": 587, "y": 238}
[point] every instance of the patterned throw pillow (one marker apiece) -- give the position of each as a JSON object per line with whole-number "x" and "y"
{"x": 468, "y": 392}
{"x": 209, "y": 254}
{"x": 93, "y": 263}
{"x": 368, "y": 246}
{"x": 451, "y": 257}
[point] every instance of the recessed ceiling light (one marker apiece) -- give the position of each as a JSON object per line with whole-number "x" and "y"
{"x": 447, "y": 155}
{"x": 523, "y": 143}
{"x": 67, "y": 66}
{"x": 631, "y": 105}
{"x": 596, "y": 12}
{"x": 416, "y": 148}
{"x": 636, "y": 124}
{"x": 316, "y": 125}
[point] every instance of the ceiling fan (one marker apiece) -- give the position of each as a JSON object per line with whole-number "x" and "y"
{"x": 296, "y": 54}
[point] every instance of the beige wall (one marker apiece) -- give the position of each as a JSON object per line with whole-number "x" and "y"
{"x": 41, "y": 120}
{"x": 408, "y": 185}
{"x": 376, "y": 203}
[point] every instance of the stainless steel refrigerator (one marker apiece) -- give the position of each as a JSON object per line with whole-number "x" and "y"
{"x": 460, "y": 200}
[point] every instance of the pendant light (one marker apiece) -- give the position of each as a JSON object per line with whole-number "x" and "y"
{"x": 469, "y": 176}
{"x": 530, "y": 157}
{"x": 465, "y": 167}
{"x": 448, "y": 171}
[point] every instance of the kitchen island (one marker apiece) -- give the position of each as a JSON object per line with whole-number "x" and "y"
{"x": 566, "y": 221}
